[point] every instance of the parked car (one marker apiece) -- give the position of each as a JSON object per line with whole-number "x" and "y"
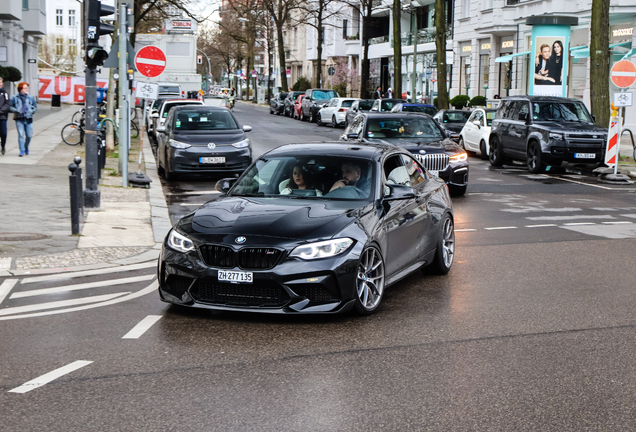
{"x": 202, "y": 139}
{"x": 297, "y": 104}
{"x": 362, "y": 105}
{"x": 420, "y": 135}
{"x": 164, "y": 109}
{"x": 381, "y": 105}
{"x": 452, "y": 121}
{"x": 277, "y": 103}
{"x": 335, "y": 112}
{"x": 168, "y": 89}
{"x": 475, "y": 135}
{"x": 314, "y": 100}
{"x": 252, "y": 250}
{"x": 290, "y": 100}
{"x": 410, "y": 107}
{"x": 542, "y": 130}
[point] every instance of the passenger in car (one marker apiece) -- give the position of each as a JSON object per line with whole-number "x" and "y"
{"x": 299, "y": 178}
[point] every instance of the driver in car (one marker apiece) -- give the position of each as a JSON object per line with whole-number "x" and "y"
{"x": 351, "y": 173}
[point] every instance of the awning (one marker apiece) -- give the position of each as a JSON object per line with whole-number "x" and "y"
{"x": 507, "y": 58}
{"x": 631, "y": 53}
{"x": 584, "y": 51}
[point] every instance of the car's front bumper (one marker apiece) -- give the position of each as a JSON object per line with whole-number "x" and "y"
{"x": 183, "y": 161}
{"x": 293, "y": 286}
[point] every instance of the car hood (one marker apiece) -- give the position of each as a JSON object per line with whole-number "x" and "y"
{"x": 570, "y": 127}
{"x": 271, "y": 217}
{"x": 442, "y": 146}
{"x": 206, "y": 137}
{"x": 453, "y": 127}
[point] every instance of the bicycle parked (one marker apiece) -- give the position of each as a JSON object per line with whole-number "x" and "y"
{"x": 73, "y": 133}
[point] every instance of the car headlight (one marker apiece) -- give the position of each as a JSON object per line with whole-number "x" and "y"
{"x": 179, "y": 242}
{"x": 242, "y": 144}
{"x": 556, "y": 136}
{"x": 179, "y": 144}
{"x": 323, "y": 249}
{"x": 458, "y": 158}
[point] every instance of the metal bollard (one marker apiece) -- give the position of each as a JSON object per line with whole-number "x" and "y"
{"x": 74, "y": 183}
{"x": 80, "y": 188}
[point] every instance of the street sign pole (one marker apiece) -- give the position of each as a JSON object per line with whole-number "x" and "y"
{"x": 122, "y": 83}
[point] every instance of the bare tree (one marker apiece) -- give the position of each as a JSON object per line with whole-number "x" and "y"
{"x": 364, "y": 9}
{"x": 440, "y": 45}
{"x": 397, "y": 49}
{"x": 599, "y": 61}
{"x": 279, "y": 11}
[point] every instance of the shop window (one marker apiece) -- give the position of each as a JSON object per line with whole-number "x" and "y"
{"x": 484, "y": 73}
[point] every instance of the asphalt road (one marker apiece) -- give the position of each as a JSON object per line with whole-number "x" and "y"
{"x": 533, "y": 329}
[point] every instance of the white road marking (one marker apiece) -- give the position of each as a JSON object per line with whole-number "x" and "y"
{"x": 528, "y": 209}
{"x": 48, "y": 377}
{"x": 5, "y": 263}
{"x": 142, "y": 327}
{"x": 571, "y": 217}
{"x": 195, "y": 204}
{"x": 58, "y": 304}
{"x": 464, "y": 230}
{"x": 83, "y": 273}
{"x": 501, "y": 228}
{"x": 617, "y": 222}
{"x": 629, "y": 215}
{"x": 541, "y": 226}
{"x": 579, "y": 223}
{"x": 589, "y": 184}
{"x": 6, "y": 288}
{"x": 149, "y": 289}
{"x": 488, "y": 179}
{"x": 76, "y": 287}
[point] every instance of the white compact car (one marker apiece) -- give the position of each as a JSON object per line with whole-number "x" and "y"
{"x": 476, "y": 132}
{"x": 335, "y": 111}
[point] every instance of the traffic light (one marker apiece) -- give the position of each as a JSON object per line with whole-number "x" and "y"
{"x": 199, "y": 59}
{"x": 95, "y": 54}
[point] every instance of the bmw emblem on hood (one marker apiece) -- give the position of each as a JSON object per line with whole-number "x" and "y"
{"x": 211, "y": 146}
{"x": 240, "y": 240}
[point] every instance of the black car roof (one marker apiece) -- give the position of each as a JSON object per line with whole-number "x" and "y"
{"x": 361, "y": 150}
{"x": 392, "y": 115}
{"x": 190, "y": 107}
{"x": 539, "y": 98}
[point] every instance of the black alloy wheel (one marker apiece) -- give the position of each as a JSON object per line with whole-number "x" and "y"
{"x": 535, "y": 164}
{"x": 496, "y": 154}
{"x": 461, "y": 143}
{"x": 369, "y": 281}
{"x": 318, "y": 119}
{"x": 483, "y": 150}
{"x": 312, "y": 117}
{"x": 333, "y": 122}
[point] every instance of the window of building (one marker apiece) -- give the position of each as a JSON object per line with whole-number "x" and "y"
{"x": 505, "y": 70}
{"x": 72, "y": 47}
{"x": 59, "y": 46}
{"x": 487, "y": 4}
{"x": 466, "y": 8}
{"x": 59, "y": 19}
{"x": 25, "y": 4}
{"x": 484, "y": 72}
{"x": 71, "y": 18}
{"x": 344, "y": 29}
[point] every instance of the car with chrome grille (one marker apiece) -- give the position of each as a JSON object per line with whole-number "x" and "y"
{"x": 201, "y": 139}
{"x": 308, "y": 229}
{"x": 419, "y": 134}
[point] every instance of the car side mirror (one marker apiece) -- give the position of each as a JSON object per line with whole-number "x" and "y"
{"x": 247, "y": 128}
{"x": 155, "y": 115}
{"x": 477, "y": 123}
{"x": 398, "y": 192}
{"x": 593, "y": 118}
{"x": 352, "y": 136}
{"x": 307, "y": 99}
{"x": 225, "y": 184}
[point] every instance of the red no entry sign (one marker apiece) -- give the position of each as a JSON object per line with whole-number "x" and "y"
{"x": 150, "y": 61}
{"x": 623, "y": 74}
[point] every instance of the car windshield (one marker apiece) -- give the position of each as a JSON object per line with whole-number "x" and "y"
{"x": 296, "y": 94}
{"x": 157, "y": 103}
{"x": 388, "y": 105}
{"x": 323, "y": 94}
{"x": 169, "y": 89}
{"x": 202, "y": 119}
{"x": 347, "y": 103}
{"x": 365, "y": 105}
{"x": 420, "y": 109}
{"x": 456, "y": 116}
{"x": 283, "y": 96}
{"x": 419, "y": 127}
{"x": 490, "y": 116}
{"x": 308, "y": 177}
{"x": 560, "y": 111}
{"x": 169, "y": 106}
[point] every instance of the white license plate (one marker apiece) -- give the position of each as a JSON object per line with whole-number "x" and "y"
{"x": 235, "y": 276}
{"x": 434, "y": 172}
{"x": 212, "y": 160}
{"x": 584, "y": 155}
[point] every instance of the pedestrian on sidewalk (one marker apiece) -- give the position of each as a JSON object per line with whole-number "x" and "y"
{"x": 4, "y": 115}
{"x": 377, "y": 94}
{"x": 23, "y": 106}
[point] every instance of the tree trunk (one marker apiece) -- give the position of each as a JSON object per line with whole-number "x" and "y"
{"x": 440, "y": 45}
{"x": 365, "y": 65}
{"x": 319, "y": 57}
{"x": 599, "y": 62}
{"x": 110, "y": 111}
{"x": 248, "y": 76}
{"x": 281, "y": 54}
{"x": 397, "y": 50}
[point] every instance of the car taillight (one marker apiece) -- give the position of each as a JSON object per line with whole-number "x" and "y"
{"x": 343, "y": 109}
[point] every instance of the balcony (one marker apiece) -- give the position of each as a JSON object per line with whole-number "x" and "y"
{"x": 10, "y": 10}
{"x": 378, "y": 40}
{"x": 426, "y": 35}
{"x": 34, "y": 19}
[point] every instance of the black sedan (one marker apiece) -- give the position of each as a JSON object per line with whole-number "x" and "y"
{"x": 420, "y": 135}
{"x": 202, "y": 139}
{"x": 452, "y": 121}
{"x": 310, "y": 228}
{"x": 288, "y": 110}
{"x": 362, "y": 105}
{"x": 277, "y": 103}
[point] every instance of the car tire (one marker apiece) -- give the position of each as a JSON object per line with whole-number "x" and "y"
{"x": 167, "y": 175}
{"x": 318, "y": 119}
{"x": 461, "y": 143}
{"x": 301, "y": 117}
{"x": 457, "y": 191}
{"x": 271, "y": 111}
{"x": 312, "y": 117}
{"x": 496, "y": 152}
{"x": 369, "y": 288}
{"x": 482, "y": 150}
{"x": 334, "y": 124}
{"x": 445, "y": 253}
{"x": 346, "y": 124}
{"x": 535, "y": 164}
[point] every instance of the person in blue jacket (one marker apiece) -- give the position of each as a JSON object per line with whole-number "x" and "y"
{"x": 23, "y": 106}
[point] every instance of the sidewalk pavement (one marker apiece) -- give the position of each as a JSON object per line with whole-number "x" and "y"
{"x": 129, "y": 226}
